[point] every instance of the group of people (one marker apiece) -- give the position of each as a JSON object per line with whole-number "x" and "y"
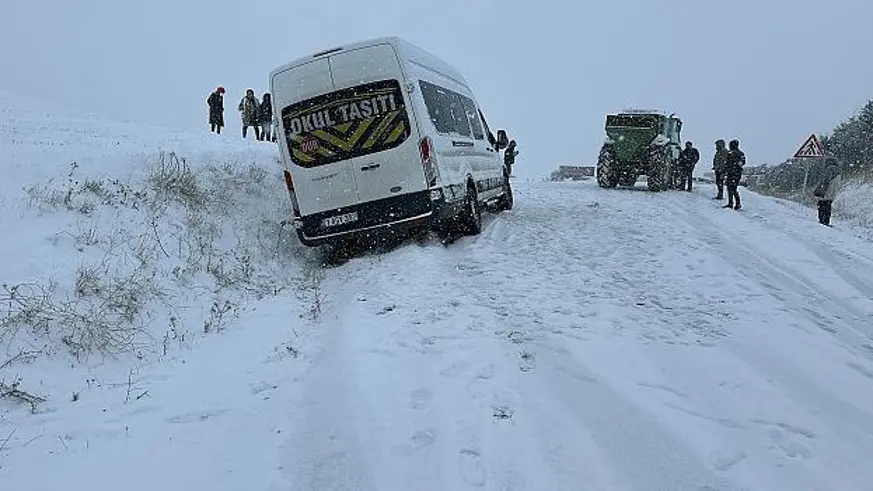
{"x": 254, "y": 113}
{"x": 727, "y": 163}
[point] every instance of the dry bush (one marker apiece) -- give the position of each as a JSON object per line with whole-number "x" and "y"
{"x": 211, "y": 235}
{"x": 104, "y": 313}
{"x": 171, "y": 179}
{"x": 83, "y": 197}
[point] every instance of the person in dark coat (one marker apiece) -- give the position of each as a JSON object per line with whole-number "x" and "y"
{"x": 735, "y": 161}
{"x": 265, "y": 117}
{"x": 248, "y": 109}
{"x": 216, "y": 110}
{"x": 719, "y": 165}
{"x": 687, "y": 160}
{"x": 826, "y": 191}
{"x": 509, "y": 157}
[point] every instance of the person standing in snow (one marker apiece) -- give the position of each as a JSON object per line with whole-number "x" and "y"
{"x": 248, "y": 108}
{"x": 826, "y": 191}
{"x": 719, "y": 165}
{"x": 736, "y": 159}
{"x": 265, "y": 117}
{"x": 687, "y": 160}
{"x": 509, "y": 157}
{"x": 216, "y": 110}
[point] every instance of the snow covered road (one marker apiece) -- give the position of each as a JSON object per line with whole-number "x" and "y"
{"x": 595, "y": 339}
{"x": 587, "y": 339}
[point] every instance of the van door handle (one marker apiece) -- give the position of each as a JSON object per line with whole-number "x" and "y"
{"x": 370, "y": 167}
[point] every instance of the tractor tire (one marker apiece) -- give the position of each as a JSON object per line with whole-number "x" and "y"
{"x": 628, "y": 181}
{"x": 606, "y": 171}
{"x": 659, "y": 173}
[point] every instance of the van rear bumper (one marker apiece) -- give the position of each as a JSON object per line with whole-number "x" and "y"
{"x": 394, "y": 214}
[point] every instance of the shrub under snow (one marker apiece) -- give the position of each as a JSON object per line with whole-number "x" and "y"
{"x": 151, "y": 261}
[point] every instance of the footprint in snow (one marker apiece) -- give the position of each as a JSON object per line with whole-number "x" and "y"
{"x": 792, "y": 441}
{"x": 472, "y": 470}
{"x": 724, "y": 461}
{"x": 385, "y": 310}
{"x": 263, "y": 387}
{"x": 424, "y": 438}
{"x": 421, "y": 399}
{"x": 420, "y": 439}
{"x": 526, "y": 361}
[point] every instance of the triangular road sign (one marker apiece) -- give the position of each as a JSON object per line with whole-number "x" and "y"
{"x": 811, "y": 148}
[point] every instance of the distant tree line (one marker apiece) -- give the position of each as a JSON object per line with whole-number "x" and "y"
{"x": 851, "y": 143}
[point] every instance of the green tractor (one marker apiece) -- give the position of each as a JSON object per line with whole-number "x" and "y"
{"x": 640, "y": 143}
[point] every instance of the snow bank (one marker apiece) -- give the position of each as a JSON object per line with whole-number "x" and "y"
{"x": 128, "y": 241}
{"x": 854, "y": 204}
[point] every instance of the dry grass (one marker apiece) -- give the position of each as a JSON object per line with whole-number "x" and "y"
{"x": 150, "y": 252}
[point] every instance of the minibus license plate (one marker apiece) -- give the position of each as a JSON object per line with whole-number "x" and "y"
{"x": 340, "y": 219}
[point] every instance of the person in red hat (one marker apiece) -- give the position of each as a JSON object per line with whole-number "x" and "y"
{"x": 216, "y": 110}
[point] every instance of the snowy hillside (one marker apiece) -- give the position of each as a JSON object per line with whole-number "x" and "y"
{"x": 854, "y": 204}
{"x": 587, "y": 339}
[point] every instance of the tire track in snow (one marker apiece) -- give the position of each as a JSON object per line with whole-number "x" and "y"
{"x": 842, "y": 262}
{"x": 325, "y": 450}
{"x": 425, "y": 385}
{"x": 852, "y": 423}
{"x": 783, "y": 281}
{"x": 623, "y": 446}
{"x": 641, "y": 449}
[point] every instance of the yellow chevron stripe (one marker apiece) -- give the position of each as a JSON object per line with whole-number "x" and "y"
{"x": 362, "y": 128}
{"x": 374, "y": 138}
{"x": 344, "y": 127}
{"x": 350, "y": 141}
{"x": 302, "y": 156}
{"x": 323, "y": 135}
{"x": 397, "y": 133}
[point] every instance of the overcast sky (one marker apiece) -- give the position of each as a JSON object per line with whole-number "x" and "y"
{"x": 768, "y": 72}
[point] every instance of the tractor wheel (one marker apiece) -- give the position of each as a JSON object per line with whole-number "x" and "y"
{"x": 628, "y": 181}
{"x": 606, "y": 177}
{"x": 659, "y": 175}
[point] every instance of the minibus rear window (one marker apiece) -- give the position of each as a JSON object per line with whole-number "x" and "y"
{"x": 346, "y": 123}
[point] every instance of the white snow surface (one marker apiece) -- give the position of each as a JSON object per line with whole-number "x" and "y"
{"x": 587, "y": 339}
{"x": 854, "y": 204}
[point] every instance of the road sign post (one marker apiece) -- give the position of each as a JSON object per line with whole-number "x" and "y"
{"x": 810, "y": 151}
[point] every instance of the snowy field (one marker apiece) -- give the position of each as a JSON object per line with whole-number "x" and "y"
{"x": 171, "y": 335}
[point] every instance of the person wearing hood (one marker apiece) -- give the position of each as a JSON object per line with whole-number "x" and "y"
{"x": 265, "y": 117}
{"x": 719, "y": 165}
{"x": 216, "y": 110}
{"x": 248, "y": 109}
{"x": 509, "y": 157}
{"x": 735, "y": 162}
{"x": 826, "y": 191}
